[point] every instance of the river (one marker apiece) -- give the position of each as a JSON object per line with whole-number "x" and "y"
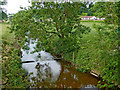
{"x": 45, "y": 72}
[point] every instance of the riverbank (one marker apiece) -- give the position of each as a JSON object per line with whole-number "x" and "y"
{"x": 98, "y": 52}
{"x": 93, "y": 49}
{"x": 94, "y": 73}
{"x": 13, "y": 76}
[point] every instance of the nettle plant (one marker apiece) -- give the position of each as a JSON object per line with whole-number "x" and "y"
{"x": 55, "y": 26}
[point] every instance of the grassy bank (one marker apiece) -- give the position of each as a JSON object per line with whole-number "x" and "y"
{"x": 13, "y": 76}
{"x": 5, "y": 33}
{"x": 98, "y": 52}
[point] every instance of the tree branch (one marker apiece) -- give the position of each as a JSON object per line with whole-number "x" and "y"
{"x": 53, "y": 33}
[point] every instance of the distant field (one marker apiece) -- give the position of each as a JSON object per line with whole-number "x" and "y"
{"x": 92, "y": 35}
{"x": 90, "y": 24}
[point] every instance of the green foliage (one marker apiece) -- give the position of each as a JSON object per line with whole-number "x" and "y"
{"x": 84, "y": 14}
{"x": 3, "y": 15}
{"x": 101, "y": 47}
{"x": 12, "y": 72}
{"x": 56, "y": 26}
{"x": 109, "y": 10}
{"x": 98, "y": 51}
{"x": 3, "y": 2}
{"x": 13, "y": 76}
{"x": 85, "y": 9}
{"x": 57, "y": 29}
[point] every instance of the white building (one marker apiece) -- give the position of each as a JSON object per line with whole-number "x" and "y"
{"x": 102, "y": 18}
{"x": 88, "y": 18}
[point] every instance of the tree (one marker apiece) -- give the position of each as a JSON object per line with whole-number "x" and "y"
{"x": 108, "y": 50}
{"x": 3, "y": 14}
{"x": 109, "y": 10}
{"x": 86, "y": 8}
{"x": 55, "y": 25}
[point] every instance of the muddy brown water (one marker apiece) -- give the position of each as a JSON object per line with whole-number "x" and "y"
{"x": 45, "y": 72}
{"x": 68, "y": 77}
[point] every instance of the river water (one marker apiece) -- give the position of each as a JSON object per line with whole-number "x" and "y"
{"x": 45, "y": 72}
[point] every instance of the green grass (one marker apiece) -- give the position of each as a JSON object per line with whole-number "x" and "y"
{"x": 5, "y": 33}
{"x": 90, "y": 24}
{"x": 93, "y": 30}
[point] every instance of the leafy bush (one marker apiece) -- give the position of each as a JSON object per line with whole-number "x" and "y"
{"x": 13, "y": 76}
{"x": 98, "y": 51}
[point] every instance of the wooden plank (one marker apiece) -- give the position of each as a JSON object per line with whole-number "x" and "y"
{"x": 57, "y": 58}
{"x": 95, "y": 73}
{"x": 27, "y": 61}
{"x": 73, "y": 58}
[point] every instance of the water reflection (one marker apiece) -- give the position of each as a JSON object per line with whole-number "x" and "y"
{"x": 54, "y": 74}
{"x": 43, "y": 68}
{"x": 69, "y": 77}
{"x": 46, "y": 72}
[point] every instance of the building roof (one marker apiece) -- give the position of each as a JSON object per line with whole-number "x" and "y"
{"x": 87, "y": 16}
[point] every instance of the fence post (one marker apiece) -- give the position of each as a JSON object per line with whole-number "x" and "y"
{"x": 73, "y": 58}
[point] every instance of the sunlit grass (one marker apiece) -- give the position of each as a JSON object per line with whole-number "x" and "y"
{"x": 5, "y": 33}
{"x": 90, "y": 24}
